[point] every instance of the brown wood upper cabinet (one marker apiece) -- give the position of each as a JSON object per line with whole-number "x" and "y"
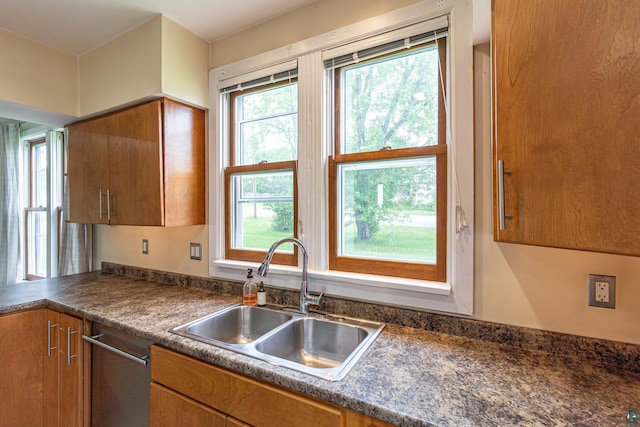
{"x": 566, "y": 123}
{"x": 140, "y": 166}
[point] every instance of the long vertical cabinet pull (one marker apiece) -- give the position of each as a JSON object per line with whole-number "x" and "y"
{"x": 501, "y": 212}
{"x": 49, "y": 347}
{"x": 69, "y": 356}
{"x": 100, "y": 203}
{"x": 108, "y": 204}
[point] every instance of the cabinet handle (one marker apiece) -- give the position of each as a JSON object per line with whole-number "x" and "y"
{"x": 69, "y": 356}
{"x": 501, "y": 215}
{"x": 100, "y": 203}
{"x": 108, "y": 204}
{"x": 49, "y": 326}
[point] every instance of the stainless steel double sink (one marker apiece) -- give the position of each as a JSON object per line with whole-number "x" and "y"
{"x": 325, "y": 346}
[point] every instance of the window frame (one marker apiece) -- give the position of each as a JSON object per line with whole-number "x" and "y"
{"x": 54, "y": 141}
{"x": 381, "y": 266}
{"x": 236, "y": 254}
{"x": 315, "y": 145}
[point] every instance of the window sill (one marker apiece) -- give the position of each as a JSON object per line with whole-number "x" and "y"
{"x": 378, "y": 289}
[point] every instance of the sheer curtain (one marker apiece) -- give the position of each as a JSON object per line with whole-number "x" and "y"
{"x": 9, "y": 203}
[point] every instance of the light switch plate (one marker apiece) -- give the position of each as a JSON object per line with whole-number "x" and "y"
{"x": 195, "y": 251}
{"x": 602, "y": 291}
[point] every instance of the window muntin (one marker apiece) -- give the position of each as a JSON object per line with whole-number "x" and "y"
{"x": 390, "y": 108}
{"x": 260, "y": 182}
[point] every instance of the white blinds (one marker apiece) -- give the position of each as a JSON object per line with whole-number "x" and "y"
{"x": 276, "y": 73}
{"x": 402, "y": 38}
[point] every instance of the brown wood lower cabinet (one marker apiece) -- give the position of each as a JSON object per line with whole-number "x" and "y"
{"x": 63, "y": 369}
{"x": 40, "y": 369}
{"x": 21, "y": 371}
{"x": 185, "y": 389}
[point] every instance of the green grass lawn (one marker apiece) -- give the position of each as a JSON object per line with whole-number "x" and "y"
{"x": 400, "y": 242}
{"x": 259, "y": 235}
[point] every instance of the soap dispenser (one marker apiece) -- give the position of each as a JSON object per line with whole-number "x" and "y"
{"x": 249, "y": 290}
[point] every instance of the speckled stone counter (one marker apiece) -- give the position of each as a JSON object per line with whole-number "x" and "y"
{"x": 409, "y": 377}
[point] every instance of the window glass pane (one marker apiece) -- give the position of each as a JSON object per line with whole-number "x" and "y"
{"x": 39, "y": 175}
{"x": 37, "y": 243}
{"x": 391, "y": 102}
{"x": 267, "y": 125}
{"x": 262, "y": 209}
{"x": 387, "y": 210}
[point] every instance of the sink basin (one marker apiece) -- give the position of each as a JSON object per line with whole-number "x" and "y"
{"x": 321, "y": 345}
{"x": 238, "y": 324}
{"x": 313, "y": 342}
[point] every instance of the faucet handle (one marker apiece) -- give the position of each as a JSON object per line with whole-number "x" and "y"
{"x": 315, "y": 299}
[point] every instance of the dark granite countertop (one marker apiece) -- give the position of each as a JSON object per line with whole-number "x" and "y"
{"x": 409, "y": 377}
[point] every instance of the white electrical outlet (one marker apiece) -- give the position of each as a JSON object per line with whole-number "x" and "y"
{"x": 602, "y": 291}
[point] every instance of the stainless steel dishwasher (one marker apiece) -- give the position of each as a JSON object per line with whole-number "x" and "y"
{"x": 120, "y": 378}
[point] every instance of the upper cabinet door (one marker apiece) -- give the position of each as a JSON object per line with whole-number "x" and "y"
{"x": 566, "y": 117}
{"x": 144, "y": 165}
{"x": 135, "y": 167}
{"x": 88, "y": 170}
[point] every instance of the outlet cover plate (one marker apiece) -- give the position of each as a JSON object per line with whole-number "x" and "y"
{"x": 594, "y": 280}
{"x": 195, "y": 251}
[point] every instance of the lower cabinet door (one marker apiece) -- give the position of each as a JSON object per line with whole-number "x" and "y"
{"x": 63, "y": 370}
{"x": 21, "y": 367}
{"x": 171, "y": 409}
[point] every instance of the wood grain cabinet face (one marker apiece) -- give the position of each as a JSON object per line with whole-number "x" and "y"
{"x": 63, "y": 370}
{"x": 183, "y": 385}
{"x": 21, "y": 369}
{"x": 566, "y": 84}
{"x": 140, "y": 166}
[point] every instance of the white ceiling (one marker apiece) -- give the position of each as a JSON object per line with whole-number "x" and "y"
{"x": 76, "y": 26}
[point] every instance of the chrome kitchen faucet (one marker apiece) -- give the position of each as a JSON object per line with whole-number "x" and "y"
{"x": 306, "y": 299}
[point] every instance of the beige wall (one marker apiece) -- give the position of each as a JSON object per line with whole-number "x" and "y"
{"x": 37, "y": 76}
{"x": 168, "y": 247}
{"x": 317, "y": 18}
{"x": 158, "y": 58}
{"x": 123, "y": 70}
{"x": 185, "y": 64}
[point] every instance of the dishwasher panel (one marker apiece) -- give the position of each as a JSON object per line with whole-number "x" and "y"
{"x": 120, "y": 378}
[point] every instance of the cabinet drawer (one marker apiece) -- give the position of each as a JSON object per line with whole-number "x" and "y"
{"x": 245, "y": 399}
{"x": 169, "y": 408}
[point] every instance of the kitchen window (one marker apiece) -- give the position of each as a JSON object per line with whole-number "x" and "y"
{"x": 260, "y": 181}
{"x": 36, "y": 217}
{"x": 417, "y": 177}
{"x": 387, "y": 178}
{"x": 42, "y": 194}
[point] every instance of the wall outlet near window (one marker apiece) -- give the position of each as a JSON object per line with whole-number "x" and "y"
{"x": 602, "y": 291}
{"x": 195, "y": 251}
{"x": 145, "y": 246}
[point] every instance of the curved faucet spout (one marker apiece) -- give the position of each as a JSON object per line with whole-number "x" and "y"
{"x": 306, "y": 299}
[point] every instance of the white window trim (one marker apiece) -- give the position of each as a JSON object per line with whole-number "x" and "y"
{"x": 54, "y": 142}
{"x": 456, "y": 295}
